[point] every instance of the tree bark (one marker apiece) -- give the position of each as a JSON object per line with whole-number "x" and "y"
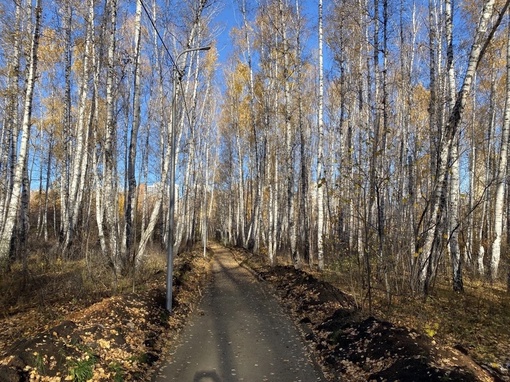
{"x": 130, "y": 213}
{"x": 454, "y": 222}
{"x": 21, "y": 162}
{"x": 501, "y": 175}
{"x": 429, "y": 249}
{"x": 321, "y": 179}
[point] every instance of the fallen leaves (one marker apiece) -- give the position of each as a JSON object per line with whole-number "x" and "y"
{"x": 120, "y": 338}
{"x": 353, "y": 347}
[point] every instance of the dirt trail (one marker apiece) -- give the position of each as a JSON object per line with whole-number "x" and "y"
{"x": 238, "y": 333}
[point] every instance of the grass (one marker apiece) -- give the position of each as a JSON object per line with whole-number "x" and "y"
{"x": 117, "y": 371}
{"x": 40, "y": 364}
{"x": 81, "y": 370}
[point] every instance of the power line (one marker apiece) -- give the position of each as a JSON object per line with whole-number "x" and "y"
{"x": 174, "y": 63}
{"x": 159, "y": 35}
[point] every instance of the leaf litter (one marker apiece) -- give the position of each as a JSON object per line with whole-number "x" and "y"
{"x": 126, "y": 337}
{"x": 351, "y": 346}
{"x": 119, "y": 338}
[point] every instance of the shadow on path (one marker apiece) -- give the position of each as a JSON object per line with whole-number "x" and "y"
{"x": 238, "y": 333}
{"x": 206, "y": 376}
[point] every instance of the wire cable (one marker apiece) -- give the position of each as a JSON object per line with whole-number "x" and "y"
{"x": 159, "y": 35}
{"x": 174, "y": 63}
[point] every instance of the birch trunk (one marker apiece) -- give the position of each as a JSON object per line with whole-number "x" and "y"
{"x": 66, "y": 127}
{"x": 149, "y": 225}
{"x": 429, "y": 248}
{"x": 129, "y": 229}
{"x": 75, "y": 189}
{"x": 320, "y": 162}
{"x": 501, "y": 175}
{"x": 241, "y": 209}
{"x": 110, "y": 173}
{"x": 11, "y": 124}
{"x": 289, "y": 141}
{"x": 13, "y": 207}
{"x": 253, "y": 235}
{"x": 471, "y": 203}
{"x": 454, "y": 222}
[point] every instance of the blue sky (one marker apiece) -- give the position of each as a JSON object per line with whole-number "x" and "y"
{"x": 230, "y": 16}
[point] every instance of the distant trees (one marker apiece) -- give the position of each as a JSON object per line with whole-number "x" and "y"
{"x": 364, "y": 132}
{"x": 398, "y": 170}
{"x": 89, "y": 125}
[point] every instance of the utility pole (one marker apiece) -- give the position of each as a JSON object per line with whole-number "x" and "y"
{"x": 177, "y": 77}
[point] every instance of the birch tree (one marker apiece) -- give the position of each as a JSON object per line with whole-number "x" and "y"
{"x": 320, "y": 175}
{"x": 501, "y": 174}
{"x": 289, "y": 136}
{"x": 454, "y": 159}
{"x": 110, "y": 197}
{"x": 11, "y": 123}
{"x": 13, "y": 207}
{"x": 130, "y": 211}
{"x": 428, "y": 251}
{"x": 73, "y": 192}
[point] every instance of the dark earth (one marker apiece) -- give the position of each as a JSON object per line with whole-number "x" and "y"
{"x": 127, "y": 337}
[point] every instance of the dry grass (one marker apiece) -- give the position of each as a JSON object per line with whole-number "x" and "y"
{"x": 48, "y": 290}
{"x": 476, "y": 321}
{"x": 73, "y": 310}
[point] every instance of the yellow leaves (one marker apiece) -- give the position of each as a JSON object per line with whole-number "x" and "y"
{"x": 50, "y": 49}
{"x": 101, "y": 374}
{"x": 107, "y": 340}
{"x": 103, "y": 343}
{"x": 240, "y": 79}
{"x": 211, "y": 58}
{"x": 431, "y": 329}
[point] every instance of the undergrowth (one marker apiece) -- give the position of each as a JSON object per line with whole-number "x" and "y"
{"x": 82, "y": 370}
{"x": 476, "y": 321}
{"x": 47, "y": 290}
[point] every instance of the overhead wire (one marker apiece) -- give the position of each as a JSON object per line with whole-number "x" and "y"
{"x": 159, "y": 35}
{"x": 174, "y": 63}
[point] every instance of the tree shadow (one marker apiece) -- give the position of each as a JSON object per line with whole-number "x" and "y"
{"x": 206, "y": 376}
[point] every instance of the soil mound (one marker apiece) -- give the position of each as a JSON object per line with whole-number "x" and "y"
{"x": 353, "y": 347}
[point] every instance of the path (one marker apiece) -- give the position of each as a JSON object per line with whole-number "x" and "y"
{"x": 238, "y": 333}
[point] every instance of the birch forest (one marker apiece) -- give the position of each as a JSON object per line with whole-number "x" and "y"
{"x": 368, "y": 135}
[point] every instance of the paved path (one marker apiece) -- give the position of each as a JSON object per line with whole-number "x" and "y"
{"x": 238, "y": 333}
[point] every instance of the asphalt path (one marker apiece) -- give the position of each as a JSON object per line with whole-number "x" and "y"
{"x": 239, "y": 333}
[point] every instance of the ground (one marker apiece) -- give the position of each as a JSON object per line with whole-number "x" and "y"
{"x": 126, "y": 336}
{"x": 352, "y": 346}
{"x": 117, "y": 338}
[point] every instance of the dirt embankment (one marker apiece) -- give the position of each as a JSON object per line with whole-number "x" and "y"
{"x": 353, "y": 347}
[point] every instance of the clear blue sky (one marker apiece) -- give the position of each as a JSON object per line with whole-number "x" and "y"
{"x": 230, "y": 16}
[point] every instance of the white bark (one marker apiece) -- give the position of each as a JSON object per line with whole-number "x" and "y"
{"x": 427, "y": 252}
{"x": 289, "y": 139}
{"x": 501, "y": 176}
{"x": 454, "y": 159}
{"x": 20, "y": 167}
{"x": 320, "y": 175}
{"x": 110, "y": 201}
{"x": 131, "y": 205}
{"x": 66, "y": 127}
{"x": 11, "y": 126}
{"x": 79, "y": 155}
{"x": 472, "y": 171}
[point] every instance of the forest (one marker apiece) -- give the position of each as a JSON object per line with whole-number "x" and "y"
{"x": 365, "y": 140}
